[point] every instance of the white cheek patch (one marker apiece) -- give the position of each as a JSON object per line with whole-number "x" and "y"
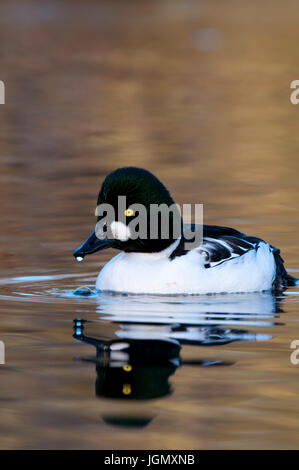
{"x": 120, "y": 231}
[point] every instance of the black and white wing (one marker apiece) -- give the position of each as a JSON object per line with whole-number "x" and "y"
{"x": 219, "y": 244}
{"x": 222, "y": 244}
{"x": 221, "y": 247}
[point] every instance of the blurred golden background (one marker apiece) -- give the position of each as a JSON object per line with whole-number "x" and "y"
{"x": 198, "y": 92}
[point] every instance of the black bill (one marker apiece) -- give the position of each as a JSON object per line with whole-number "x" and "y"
{"x": 91, "y": 245}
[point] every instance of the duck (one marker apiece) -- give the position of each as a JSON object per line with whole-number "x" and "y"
{"x": 222, "y": 260}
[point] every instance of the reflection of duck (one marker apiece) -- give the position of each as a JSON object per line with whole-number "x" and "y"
{"x": 139, "y": 368}
{"x": 145, "y": 352}
{"x": 254, "y": 309}
{"x": 221, "y": 260}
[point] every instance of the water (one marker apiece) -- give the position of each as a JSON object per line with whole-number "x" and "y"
{"x": 165, "y": 86}
{"x": 92, "y": 370}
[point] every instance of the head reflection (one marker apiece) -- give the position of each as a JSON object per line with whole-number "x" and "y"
{"x": 131, "y": 369}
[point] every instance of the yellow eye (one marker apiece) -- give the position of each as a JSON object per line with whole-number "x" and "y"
{"x": 129, "y": 212}
{"x": 127, "y": 389}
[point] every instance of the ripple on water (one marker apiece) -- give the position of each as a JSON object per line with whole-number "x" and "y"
{"x": 255, "y": 309}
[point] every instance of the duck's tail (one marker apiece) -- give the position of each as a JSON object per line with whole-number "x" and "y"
{"x": 283, "y": 278}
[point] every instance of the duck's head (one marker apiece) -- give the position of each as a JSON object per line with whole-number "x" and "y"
{"x": 135, "y": 213}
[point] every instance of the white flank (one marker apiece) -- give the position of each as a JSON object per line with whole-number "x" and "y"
{"x": 146, "y": 273}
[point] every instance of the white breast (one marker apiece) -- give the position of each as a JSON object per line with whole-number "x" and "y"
{"x": 154, "y": 273}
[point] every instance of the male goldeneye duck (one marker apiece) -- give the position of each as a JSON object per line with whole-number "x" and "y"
{"x": 225, "y": 261}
